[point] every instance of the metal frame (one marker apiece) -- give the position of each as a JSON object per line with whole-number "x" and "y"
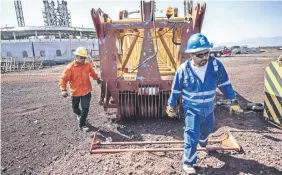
{"x": 227, "y": 142}
{"x": 141, "y": 56}
{"x": 138, "y": 73}
{"x": 19, "y": 13}
{"x": 56, "y": 16}
{"x": 273, "y": 93}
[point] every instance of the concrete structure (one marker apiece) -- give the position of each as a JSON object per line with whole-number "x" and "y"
{"x": 50, "y": 43}
{"x": 47, "y": 49}
{"x": 10, "y": 33}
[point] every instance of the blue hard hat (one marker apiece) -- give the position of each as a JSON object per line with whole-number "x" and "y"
{"x": 196, "y": 43}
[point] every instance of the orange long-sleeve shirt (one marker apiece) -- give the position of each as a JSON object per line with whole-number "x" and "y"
{"x": 78, "y": 78}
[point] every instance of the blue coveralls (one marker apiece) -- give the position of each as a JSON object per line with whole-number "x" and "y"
{"x": 198, "y": 101}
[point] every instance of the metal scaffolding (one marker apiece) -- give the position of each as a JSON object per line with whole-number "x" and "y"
{"x": 19, "y": 13}
{"x": 56, "y": 16}
{"x": 63, "y": 14}
{"x": 188, "y": 5}
{"x": 49, "y": 13}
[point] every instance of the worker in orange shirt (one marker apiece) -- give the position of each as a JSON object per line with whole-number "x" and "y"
{"x": 77, "y": 74}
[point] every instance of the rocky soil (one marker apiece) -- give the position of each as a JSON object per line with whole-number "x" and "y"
{"x": 39, "y": 133}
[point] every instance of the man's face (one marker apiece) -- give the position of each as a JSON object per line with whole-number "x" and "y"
{"x": 201, "y": 58}
{"x": 80, "y": 59}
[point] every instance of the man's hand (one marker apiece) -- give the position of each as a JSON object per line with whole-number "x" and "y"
{"x": 64, "y": 94}
{"x": 99, "y": 81}
{"x": 234, "y": 107}
{"x": 171, "y": 111}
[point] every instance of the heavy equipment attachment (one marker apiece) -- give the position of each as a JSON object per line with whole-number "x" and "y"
{"x": 227, "y": 142}
{"x": 273, "y": 93}
{"x": 139, "y": 57}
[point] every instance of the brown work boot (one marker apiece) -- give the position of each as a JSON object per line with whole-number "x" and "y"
{"x": 189, "y": 169}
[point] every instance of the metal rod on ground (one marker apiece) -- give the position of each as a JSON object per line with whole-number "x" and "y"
{"x": 227, "y": 141}
{"x": 149, "y": 142}
{"x": 99, "y": 151}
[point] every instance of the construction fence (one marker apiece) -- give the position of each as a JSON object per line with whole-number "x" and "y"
{"x": 14, "y": 64}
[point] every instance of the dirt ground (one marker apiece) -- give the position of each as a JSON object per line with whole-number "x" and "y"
{"x": 39, "y": 133}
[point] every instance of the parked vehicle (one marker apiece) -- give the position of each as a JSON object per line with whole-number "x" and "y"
{"x": 247, "y": 50}
{"x": 234, "y": 47}
{"x": 219, "y": 51}
{"x": 244, "y": 50}
{"x": 253, "y": 51}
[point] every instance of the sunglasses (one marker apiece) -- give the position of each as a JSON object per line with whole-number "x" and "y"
{"x": 202, "y": 55}
{"x": 83, "y": 58}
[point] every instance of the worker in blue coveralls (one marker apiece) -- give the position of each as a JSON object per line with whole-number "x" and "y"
{"x": 196, "y": 80}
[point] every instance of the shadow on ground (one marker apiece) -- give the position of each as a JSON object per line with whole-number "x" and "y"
{"x": 134, "y": 129}
{"x": 233, "y": 165}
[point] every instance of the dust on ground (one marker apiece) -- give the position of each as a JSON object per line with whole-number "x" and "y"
{"x": 39, "y": 133}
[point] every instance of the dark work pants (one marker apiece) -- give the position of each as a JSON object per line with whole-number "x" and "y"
{"x": 84, "y": 102}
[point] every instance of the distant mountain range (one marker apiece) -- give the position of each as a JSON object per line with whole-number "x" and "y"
{"x": 254, "y": 42}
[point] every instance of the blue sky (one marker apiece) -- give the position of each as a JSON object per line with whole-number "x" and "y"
{"x": 225, "y": 21}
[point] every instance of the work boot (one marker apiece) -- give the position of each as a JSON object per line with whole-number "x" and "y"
{"x": 84, "y": 128}
{"x": 82, "y": 125}
{"x": 189, "y": 169}
{"x": 78, "y": 117}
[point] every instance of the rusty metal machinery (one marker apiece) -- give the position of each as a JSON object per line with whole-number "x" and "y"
{"x": 139, "y": 57}
{"x": 225, "y": 142}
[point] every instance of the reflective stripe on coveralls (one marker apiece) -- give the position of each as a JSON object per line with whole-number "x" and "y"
{"x": 197, "y": 130}
{"x": 198, "y": 101}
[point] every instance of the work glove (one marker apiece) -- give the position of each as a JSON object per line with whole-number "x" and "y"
{"x": 234, "y": 107}
{"x": 64, "y": 94}
{"x": 99, "y": 81}
{"x": 171, "y": 112}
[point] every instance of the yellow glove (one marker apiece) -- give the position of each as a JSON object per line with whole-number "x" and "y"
{"x": 235, "y": 108}
{"x": 171, "y": 112}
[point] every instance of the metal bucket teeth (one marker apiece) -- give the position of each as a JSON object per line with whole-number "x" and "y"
{"x": 146, "y": 102}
